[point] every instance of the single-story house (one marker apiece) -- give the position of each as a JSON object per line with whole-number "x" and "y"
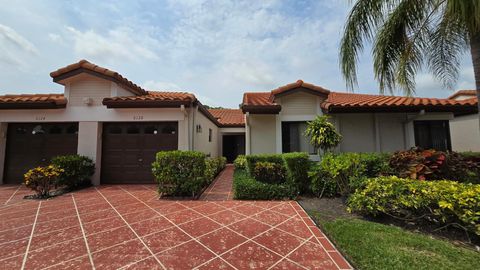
{"x": 465, "y": 128}
{"x": 121, "y": 126}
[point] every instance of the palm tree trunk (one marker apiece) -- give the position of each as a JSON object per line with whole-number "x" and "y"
{"x": 475, "y": 50}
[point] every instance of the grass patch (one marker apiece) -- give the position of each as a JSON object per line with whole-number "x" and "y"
{"x": 370, "y": 245}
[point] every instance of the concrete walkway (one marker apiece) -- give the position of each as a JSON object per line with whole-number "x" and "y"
{"x": 221, "y": 188}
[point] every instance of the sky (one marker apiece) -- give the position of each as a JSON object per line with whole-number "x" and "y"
{"x": 215, "y": 49}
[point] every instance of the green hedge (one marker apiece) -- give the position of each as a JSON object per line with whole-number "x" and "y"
{"x": 297, "y": 166}
{"x": 447, "y": 202}
{"x": 179, "y": 173}
{"x": 269, "y": 172}
{"x": 213, "y": 166}
{"x": 77, "y": 171}
{"x": 253, "y": 159}
{"x": 247, "y": 188}
{"x": 240, "y": 162}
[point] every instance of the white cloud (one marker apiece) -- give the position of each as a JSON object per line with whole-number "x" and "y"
{"x": 116, "y": 45}
{"x": 15, "y": 49}
{"x": 161, "y": 86}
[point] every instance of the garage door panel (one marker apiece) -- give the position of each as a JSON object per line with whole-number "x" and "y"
{"x": 129, "y": 149}
{"x": 34, "y": 144}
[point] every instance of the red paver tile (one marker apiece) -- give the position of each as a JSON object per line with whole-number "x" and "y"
{"x": 55, "y": 225}
{"x": 52, "y": 238}
{"x": 249, "y": 227}
{"x": 251, "y": 256}
{"x": 227, "y": 217}
{"x": 186, "y": 256}
{"x": 109, "y": 238}
{"x": 51, "y": 255}
{"x": 287, "y": 265}
{"x": 297, "y": 227}
{"x": 167, "y": 207}
{"x": 285, "y": 209}
{"x": 151, "y": 225}
{"x": 15, "y": 234}
{"x": 200, "y": 226}
{"x": 13, "y": 248}
{"x": 270, "y": 217}
{"x": 279, "y": 241}
{"x": 98, "y": 215}
{"x": 58, "y": 214}
{"x": 15, "y": 223}
{"x": 103, "y": 225}
{"x": 326, "y": 244}
{"x": 12, "y": 262}
{"x": 341, "y": 262}
{"x": 78, "y": 263}
{"x": 163, "y": 240}
{"x": 120, "y": 255}
{"x": 248, "y": 210}
{"x": 131, "y": 208}
{"x": 140, "y": 215}
{"x": 312, "y": 257}
{"x": 215, "y": 264}
{"x": 208, "y": 208}
{"x": 183, "y": 216}
{"x": 150, "y": 263}
{"x": 222, "y": 240}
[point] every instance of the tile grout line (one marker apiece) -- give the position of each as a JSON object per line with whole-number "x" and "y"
{"x": 291, "y": 252}
{"x": 12, "y": 195}
{"x": 83, "y": 233}
{"x": 31, "y": 236}
{"x": 151, "y": 252}
{"x": 196, "y": 240}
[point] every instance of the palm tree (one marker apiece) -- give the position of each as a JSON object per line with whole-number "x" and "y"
{"x": 409, "y": 35}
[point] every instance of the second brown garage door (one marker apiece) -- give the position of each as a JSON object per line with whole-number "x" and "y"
{"x": 129, "y": 150}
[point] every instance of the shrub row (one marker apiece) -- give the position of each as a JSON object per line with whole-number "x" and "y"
{"x": 70, "y": 172}
{"x": 445, "y": 202}
{"x": 184, "y": 173}
{"x": 247, "y": 188}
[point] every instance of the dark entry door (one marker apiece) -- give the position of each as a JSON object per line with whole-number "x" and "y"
{"x": 34, "y": 144}
{"x": 233, "y": 145}
{"x": 129, "y": 150}
{"x": 434, "y": 134}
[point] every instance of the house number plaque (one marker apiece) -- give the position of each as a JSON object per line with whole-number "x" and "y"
{"x": 138, "y": 117}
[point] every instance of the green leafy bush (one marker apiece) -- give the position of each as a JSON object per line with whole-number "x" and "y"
{"x": 444, "y": 202}
{"x": 247, "y": 188}
{"x": 77, "y": 170}
{"x": 460, "y": 168}
{"x": 376, "y": 164}
{"x": 269, "y": 172}
{"x": 346, "y": 170}
{"x": 321, "y": 183}
{"x": 42, "y": 179}
{"x": 253, "y": 159}
{"x": 213, "y": 166}
{"x": 240, "y": 162}
{"x": 297, "y": 166}
{"x": 179, "y": 173}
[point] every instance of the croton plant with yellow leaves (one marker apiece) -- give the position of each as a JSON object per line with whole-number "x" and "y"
{"x": 42, "y": 179}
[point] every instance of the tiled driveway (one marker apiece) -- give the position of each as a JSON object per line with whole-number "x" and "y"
{"x": 127, "y": 227}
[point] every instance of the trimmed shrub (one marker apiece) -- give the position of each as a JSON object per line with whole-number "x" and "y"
{"x": 346, "y": 170}
{"x": 213, "y": 166}
{"x": 297, "y": 165}
{"x": 179, "y": 173}
{"x": 240, "y": 162}
{"x": 443, "y": 202}
{"x": 77, "y": 170}
{"x": 321, "y": 183}
{"x": 253, "y": 159}
{"x": 42, "y": 179}
{"x": 376, "y": 164}
{"x": 269, "y": 172}
{"x": 247, "y": 188}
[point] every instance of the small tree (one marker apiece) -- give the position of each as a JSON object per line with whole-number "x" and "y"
{"x": 322, "y": 134}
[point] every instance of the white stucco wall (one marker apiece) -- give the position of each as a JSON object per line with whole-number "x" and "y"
{"x": 86, "y": 86}
{"x": 262, "y": 128}
{"x": 201, "y": 142}
{"x": 90, "y": 145}
{"x": 465, "y": 133}
{"x": 358, "y": 131}
{"x": 299, "y": 103}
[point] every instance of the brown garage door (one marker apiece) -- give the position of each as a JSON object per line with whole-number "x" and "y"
{"x": 129, "y": 150}
{"x": 34, "y": 144}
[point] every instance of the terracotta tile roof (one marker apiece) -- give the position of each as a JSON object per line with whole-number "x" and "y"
{"x": 259, "y": 102}
{"x": 299, "y": 84}
{"x": 338, "y": 101}
{"x": 90, "y": 68}
{"x": 151, "y": 99}
{"x": 472, "y": 93}
{"x": 32, "y": 101}
{"x": 229, "y": 117}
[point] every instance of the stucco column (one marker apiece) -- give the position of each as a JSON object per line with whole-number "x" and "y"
{"x": 90, "y": 145}
{"x": 3, "y": 144}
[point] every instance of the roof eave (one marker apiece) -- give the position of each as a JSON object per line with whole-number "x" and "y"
{"x": 261, "y": 109}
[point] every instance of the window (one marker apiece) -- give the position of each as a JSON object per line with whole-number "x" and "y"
{"x": 38, "y": 129}
{"x": 293, "y": 138}
{"x": 151, "y": 130}
{"x": 169, "y": 129}
{"x": 209, "y": 134}
{"x": 115, "y": 130}
{"x": 433, "y": 134}
{"x": 55, "y": 130}
{"x": 133, "y": 130}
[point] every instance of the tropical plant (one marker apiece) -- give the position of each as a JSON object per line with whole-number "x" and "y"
{"x": 409, "y": 35}
{"x": 322, "y": 134}
{"x": 417, "y": 163}
{"x": 42, "y": 179}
